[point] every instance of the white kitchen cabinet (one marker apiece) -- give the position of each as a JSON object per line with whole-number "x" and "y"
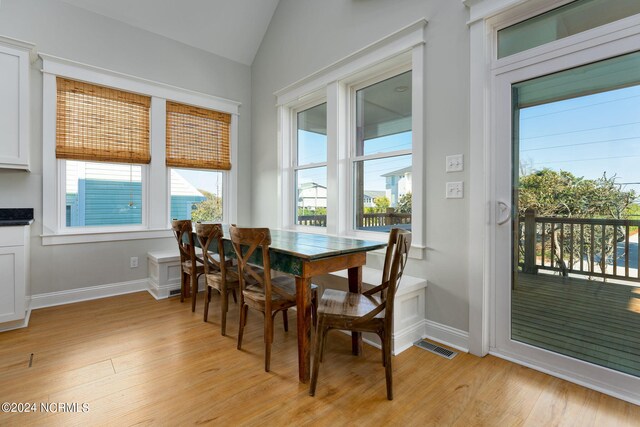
{"x": 15, "y": 60}
{"x": 14, "y": 270}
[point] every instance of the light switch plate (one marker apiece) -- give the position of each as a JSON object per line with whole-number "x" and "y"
{"x": 455, "y": 190}
{"x": 455, "y": 163}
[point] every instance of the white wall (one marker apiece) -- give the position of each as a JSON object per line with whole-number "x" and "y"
{"x": 62, "y": 30}
{"x": 307, "y": 35}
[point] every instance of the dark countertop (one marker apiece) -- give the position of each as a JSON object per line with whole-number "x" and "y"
{"x": 15, "y": 216}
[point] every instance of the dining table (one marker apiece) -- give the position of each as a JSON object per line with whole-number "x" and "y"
{"x": 304, "y": 256}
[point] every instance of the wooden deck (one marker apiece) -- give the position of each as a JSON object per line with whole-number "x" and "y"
{"x": 589, "y": 320}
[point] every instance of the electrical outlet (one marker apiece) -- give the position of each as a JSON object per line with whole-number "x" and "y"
{"x": 455, "y": 163}
{"x": 455, "y": 190}
{"x": 133, "y": 262}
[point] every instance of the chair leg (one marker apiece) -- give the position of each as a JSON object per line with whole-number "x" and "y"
{"x": 324, "y": 342}
{"x": 224, "y": 300}
{"x": 243, "y": 321}
{"x": 317, "y": 357}
{"x": 194, "y": 291}
{"x": 383, "y": 347}
{"x": 183, "y": 287}
{"x": 285, "y": 319}
{"x": 235, "y": 298}
{"x": 387, "y": 367}
{"x": 207, "y": 300}
{"x": 268, "y": 339}
{"x": 314, "y": 308}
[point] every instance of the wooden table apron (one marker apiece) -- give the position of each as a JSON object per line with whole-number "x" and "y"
{"x": 305, "y": 255}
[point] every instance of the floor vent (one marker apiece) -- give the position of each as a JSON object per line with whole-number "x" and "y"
{"x": 436, "y": 349}
{"x": 174, "y": 292}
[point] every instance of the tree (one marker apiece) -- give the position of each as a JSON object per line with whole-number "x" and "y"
{"x": 561, "y": 194}
{"x": 209, "y": 209}
{"x": 404, "y": 204}
{"x": 381, "y": 203}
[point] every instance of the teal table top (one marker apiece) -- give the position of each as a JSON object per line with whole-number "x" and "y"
{"x": 290, "y": 248}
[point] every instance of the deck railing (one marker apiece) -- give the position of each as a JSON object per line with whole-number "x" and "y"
{"x": 367, "y": 220}
{"x": 589, "y": 246}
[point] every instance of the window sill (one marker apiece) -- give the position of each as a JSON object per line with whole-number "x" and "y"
{"x": 103, "y": 236}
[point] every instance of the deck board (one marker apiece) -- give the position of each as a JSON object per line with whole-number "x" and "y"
{"x": 589, "y": 320}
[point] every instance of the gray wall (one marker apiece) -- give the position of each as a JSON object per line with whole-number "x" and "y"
{"x": 307, "y": 35}
{"x": 62, "y": 30}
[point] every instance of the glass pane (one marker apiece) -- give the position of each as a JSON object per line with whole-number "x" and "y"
{"x": 576, "y": 283}
{"x": 196, "y": 195}
{"x": 103, "y": 194}
{"x": 383, "y": 116}
{"x": 383, "y": 193}
{"x": 565, "y": 21}
{"x": 311, "y": 196}
{"x": 312, "y": 135}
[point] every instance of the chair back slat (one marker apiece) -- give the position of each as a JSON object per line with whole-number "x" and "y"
{"x": 400, "y": 254}
{"x": 182, "y": 230}
{"x": 210, "y": 237}
{"x": 246, "y": 242}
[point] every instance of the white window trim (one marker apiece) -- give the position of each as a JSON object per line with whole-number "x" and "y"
{"x": 155, "y": 182}
{"x": 404, "y": 48}
{"x": 487, "y": 16}
{"x": 309, "y": 102}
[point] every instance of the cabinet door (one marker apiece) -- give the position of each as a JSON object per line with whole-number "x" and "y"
{"x": 12, "y": 283}
{"x": 14, "y": 108}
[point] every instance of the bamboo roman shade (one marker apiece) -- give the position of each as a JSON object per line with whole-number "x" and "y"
{"x": 96, "y": 123}
{"x": 197, "y": 137}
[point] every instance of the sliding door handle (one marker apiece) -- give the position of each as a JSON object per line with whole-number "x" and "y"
{"x": 504, "y": 213}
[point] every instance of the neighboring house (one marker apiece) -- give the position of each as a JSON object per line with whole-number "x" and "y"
{"x": 312, "y": 195}
{"x": 369, "y": 197}
{"x": 398, "y": 183}
{"x": 100, "y": 194}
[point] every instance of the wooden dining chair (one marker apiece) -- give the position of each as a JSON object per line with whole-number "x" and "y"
{"x": 220, "y": 274}
{"x": 370, "y": 311}
{"x": 259, "y": 291}
{"x": 191, "y": 266}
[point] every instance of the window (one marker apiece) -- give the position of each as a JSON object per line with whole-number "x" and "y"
{"x": 128, "y": 154}
{"x": 351, "y": 143}
{"x": 96, "y": 127}
{"x": 382, "y": 155}
{"x": 311, "y": 166}
{"x": 196, "y": 194}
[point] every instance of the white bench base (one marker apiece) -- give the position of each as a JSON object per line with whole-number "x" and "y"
{"x": 164, "y": 274}
{"x": 410, "y": 305}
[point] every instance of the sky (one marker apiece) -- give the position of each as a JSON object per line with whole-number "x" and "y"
{"x": 210, "y": 181}
{"x": 312, "y": 148}
{"x": 587, "y": 136}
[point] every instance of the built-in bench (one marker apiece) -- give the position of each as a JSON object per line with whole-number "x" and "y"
{"x": 409, "y": 309}
{"x": 164, "y": 273}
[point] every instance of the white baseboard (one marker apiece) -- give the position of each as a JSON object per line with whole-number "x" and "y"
{"x": 446, "y": 335}
{"x": 405, "y": 338}
{"x": 89, "y": 293}
{"x": 17, "y": 324}
{"x": 162, "y": 292}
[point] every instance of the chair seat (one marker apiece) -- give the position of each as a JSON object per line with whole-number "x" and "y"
{"x": 347, "y": 304}
{"x": 186, "y": 267}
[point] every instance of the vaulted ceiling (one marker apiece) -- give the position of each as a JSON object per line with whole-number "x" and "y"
{"x": 230, "y": 28}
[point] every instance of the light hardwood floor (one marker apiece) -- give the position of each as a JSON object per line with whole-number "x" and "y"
{"x": 135, "y": 360}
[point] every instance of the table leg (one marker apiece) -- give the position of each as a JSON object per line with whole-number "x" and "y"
{"x": 355, "y": 285}
{"x": 303, "y": 306}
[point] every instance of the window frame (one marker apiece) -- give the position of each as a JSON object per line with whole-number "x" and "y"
{"x": 225, "y": 182}
{"x": 155, "y": 184}
{"x": 402, "y": 50}
{"x": 295, "y": 167}
{"x": 353, "y": 141}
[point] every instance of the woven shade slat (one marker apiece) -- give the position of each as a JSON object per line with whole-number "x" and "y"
{"x": 96, "y": 123}
{"x": 197, "y": 137}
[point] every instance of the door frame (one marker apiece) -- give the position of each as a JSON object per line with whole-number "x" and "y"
{"x": 585, "y": 48}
